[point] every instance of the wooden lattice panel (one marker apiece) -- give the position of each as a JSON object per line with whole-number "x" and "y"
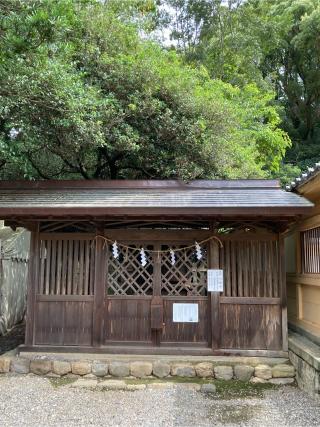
{"x": 187, "y": 276}
{"x": 126, "y": 275}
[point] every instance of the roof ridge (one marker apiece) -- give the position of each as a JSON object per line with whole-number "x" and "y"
{"x": 303, "y": 177}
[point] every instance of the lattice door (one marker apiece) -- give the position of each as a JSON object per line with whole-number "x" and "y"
{"x": 187, "y": 277}
{"x": 126, "y": 275}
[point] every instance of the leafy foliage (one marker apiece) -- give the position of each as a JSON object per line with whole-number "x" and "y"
{"x": 273, "y": 44}
{"x": 85, "y": 93}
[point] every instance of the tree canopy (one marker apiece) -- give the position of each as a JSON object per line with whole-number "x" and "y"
{"x": 86, "y": 91}
{"x": 273, "y": 44}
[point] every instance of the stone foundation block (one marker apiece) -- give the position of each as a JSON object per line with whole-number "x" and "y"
{"x": 20, "y": 365}
{"x": 243, "y": 372}
{"x": 223, "y": 372}
{"x": 100, "y": 369}
{"x": 40, "y": 367}
{"x": 204, "y": 369}
{"x": 119, "y": 369}
{"x": 141, "y": 369}
{"x": 183, "y": 370}
{"x": 263, "y": 371}
{"x": 60, "y": 367}
{"x": 81, "y": 368}
{"x": 161, "y": 369}
{"x": 4, "y": 365}
{"x": 283, "y": 371}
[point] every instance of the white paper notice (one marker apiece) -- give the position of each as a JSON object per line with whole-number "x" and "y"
{"x": 215, "y": 280}
{"x": 185, "y": 313}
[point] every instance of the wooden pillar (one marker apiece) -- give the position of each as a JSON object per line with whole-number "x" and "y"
{"x": 156, "y": 260}
{"x": 214, "y": 297}
{"x": 32, "y": 286}
{"x": 99, "y": 289}
{"x": 283, "y": 292}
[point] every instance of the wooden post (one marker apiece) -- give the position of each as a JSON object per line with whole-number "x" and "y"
{"x": 283, "y": 292}
{"x": 156, "y": 334}
{"x": 214, "y": 298}
{"x": 99, "y": 289}
{"x": 33, "y": 278}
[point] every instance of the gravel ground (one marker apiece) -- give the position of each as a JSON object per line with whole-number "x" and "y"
{"x": 33, "y": 401}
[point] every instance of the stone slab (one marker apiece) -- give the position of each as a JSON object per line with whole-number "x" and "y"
{"x": 305, "y": 349}
{"x": 216, "y": 360}
{"x": 135, "y": 387}
{"x": 189, "y": 386}
{"x": 84, "y": 383}
{"x": 160, "y": 386}
{"x": 112, "y": 385}
{"x": 281, "y": 381}
{"x": 208, "y": 388}
{"x": 283, "y": 371}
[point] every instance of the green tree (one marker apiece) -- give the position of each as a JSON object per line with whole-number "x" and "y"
{"x": 274, "y": 44}
{"x": 84, "y": 94}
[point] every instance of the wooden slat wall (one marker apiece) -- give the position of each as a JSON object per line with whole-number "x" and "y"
{"x": 63, "y": 322}
{"x": 310, "y": 250}
{"x": 66, "y": 267}
{"x": 251, "y": 326}
{"x": 128, "y": 319}
{"x": 250, "y": 268}
{"x": 191, "y": 333}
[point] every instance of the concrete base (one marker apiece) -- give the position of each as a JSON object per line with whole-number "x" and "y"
{"x": 216, "y": 360}
{"x": 305, "y": 357}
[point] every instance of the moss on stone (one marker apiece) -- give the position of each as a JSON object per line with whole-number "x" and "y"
{"x": 59, "y": 382}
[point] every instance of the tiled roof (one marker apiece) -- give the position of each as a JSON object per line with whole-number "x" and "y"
{"x": 304, "y": 177}
{"x": 94, "y": 196}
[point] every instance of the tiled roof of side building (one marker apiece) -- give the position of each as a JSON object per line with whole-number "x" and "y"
{"x": 305, "y": 177}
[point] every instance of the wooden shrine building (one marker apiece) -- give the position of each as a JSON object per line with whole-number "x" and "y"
{"x": 122, "y": 266}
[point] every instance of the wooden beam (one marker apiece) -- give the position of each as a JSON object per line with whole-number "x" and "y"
{"x": 283, "y": 293}
{"x": 99, "y": 290}
{"x": 250, "y": 300}
{"x": 32, "y": 288}
{"x": 214, "y": 298}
